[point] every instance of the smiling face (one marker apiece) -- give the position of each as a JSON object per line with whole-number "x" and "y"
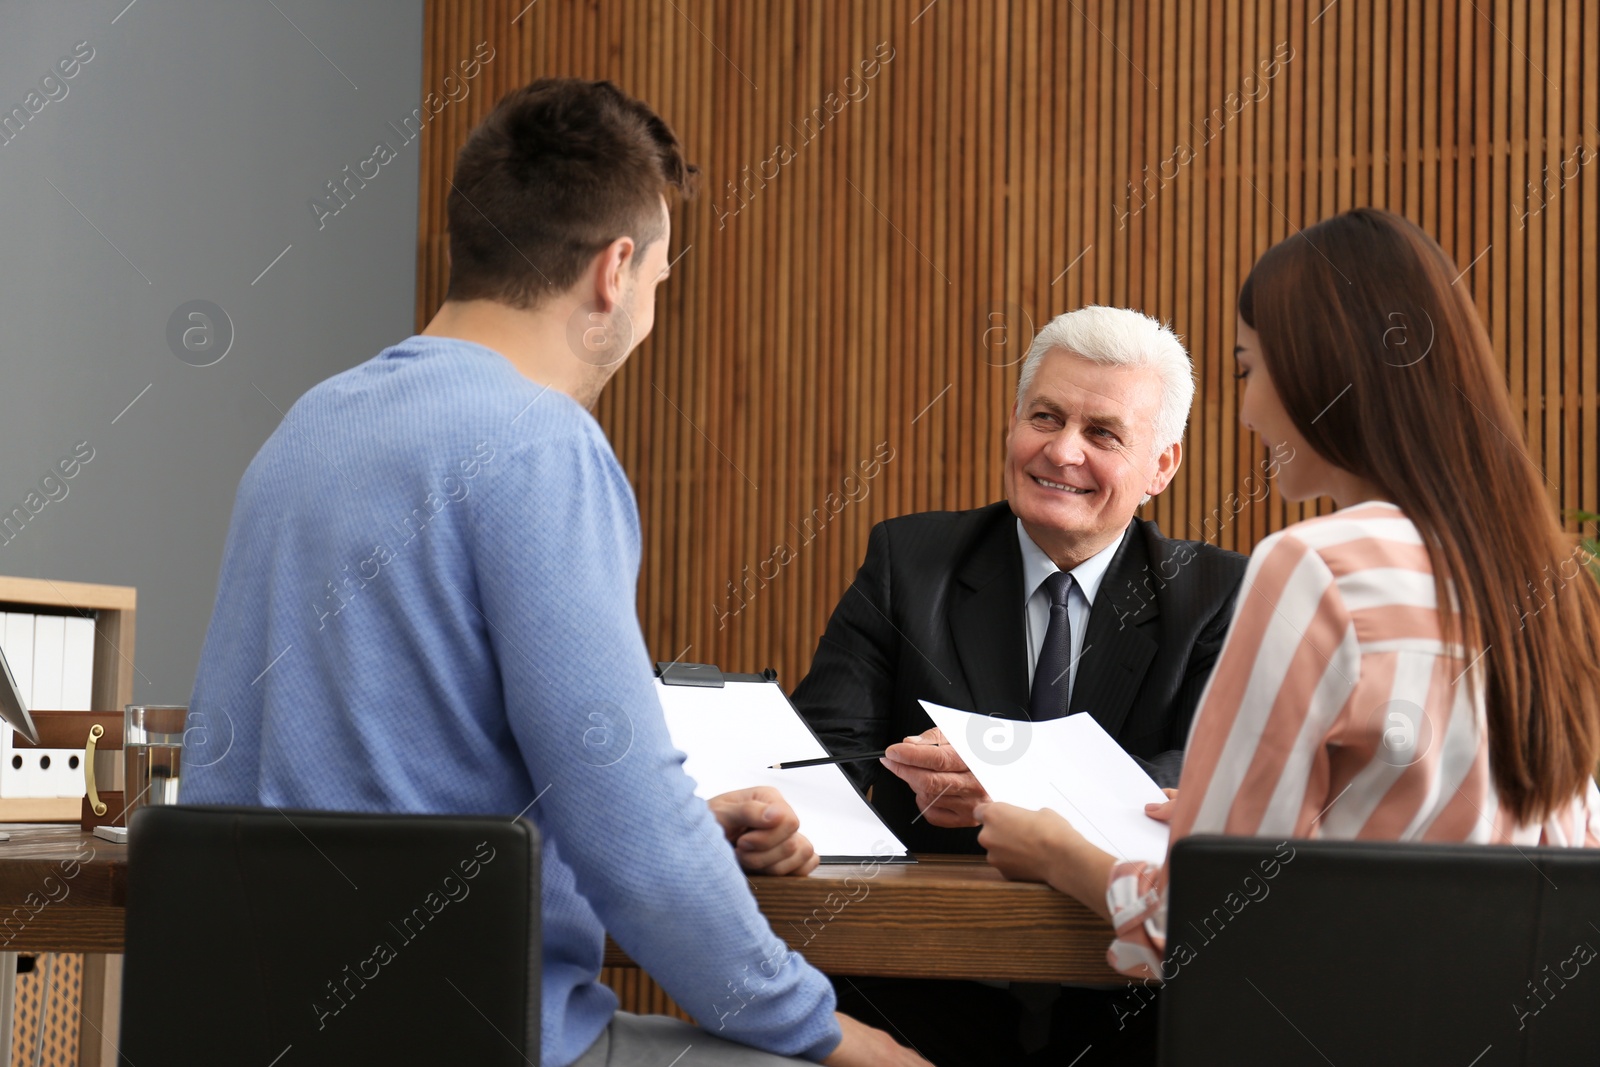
{"x": 1081, "y": 453}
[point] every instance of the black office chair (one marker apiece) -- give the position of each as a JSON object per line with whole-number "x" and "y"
{"x": 1368, "y": 953}
{"x": 296, "y": 938}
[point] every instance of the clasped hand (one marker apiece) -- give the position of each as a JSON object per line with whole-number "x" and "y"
{"x": 764, "y": 831}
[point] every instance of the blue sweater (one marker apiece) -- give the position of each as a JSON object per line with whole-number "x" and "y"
{"x": 427, "y": 605}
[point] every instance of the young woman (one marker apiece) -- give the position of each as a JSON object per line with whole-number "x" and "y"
{"x": 1420, "y": 665}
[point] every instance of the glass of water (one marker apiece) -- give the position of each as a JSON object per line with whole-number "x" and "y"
{"x": 152, "y": 749}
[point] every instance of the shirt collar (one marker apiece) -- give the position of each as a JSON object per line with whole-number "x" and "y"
{"x": 1037, "y": 566}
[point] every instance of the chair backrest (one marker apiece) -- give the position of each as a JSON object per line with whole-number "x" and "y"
{"x": 1380, "y": 953}
{"x": 302, "y": 938}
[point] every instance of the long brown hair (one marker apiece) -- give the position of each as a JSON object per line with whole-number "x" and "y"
{"x": 1386, "y": 371}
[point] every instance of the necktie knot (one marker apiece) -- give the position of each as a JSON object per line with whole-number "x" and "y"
{"x": 1056, "y": 587}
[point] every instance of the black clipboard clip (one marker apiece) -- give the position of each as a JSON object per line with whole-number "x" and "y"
{"x": 702, "y": 675}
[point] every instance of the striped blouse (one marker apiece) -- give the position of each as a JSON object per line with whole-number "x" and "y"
{"x": 1335, "y": 711}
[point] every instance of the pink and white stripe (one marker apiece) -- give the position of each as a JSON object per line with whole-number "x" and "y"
{"x": 1336, "y": 710}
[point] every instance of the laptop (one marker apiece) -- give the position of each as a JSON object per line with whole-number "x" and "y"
{"x": 13, "y": 709}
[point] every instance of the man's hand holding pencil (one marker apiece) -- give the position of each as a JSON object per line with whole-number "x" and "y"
{"x": 946, "y": 791}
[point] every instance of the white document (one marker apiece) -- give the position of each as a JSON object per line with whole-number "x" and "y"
{"x": 732, "y": 736}
{"x": 1069, "y": 765}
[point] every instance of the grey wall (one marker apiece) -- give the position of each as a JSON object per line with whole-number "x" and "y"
{"x": 192, "y": 141}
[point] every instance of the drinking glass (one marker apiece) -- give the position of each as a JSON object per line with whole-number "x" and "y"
{"x": 152, "y": 753}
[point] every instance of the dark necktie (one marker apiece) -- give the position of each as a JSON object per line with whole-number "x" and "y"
{"x": 1051, "y": 675}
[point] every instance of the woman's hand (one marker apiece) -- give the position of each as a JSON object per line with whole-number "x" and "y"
{"x": 1024, "y": 845}
{"x": 1162, "y": 812}
{"x": 1041, "y": 846}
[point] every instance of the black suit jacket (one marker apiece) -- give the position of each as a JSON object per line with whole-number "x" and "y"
{"x": 936, "y": 613}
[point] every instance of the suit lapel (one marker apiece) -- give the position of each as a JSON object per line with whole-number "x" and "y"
{"x": 1116, "y": 653}
{"x": 986, "y": 623}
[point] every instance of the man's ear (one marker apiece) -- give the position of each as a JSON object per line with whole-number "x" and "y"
{"x": 609, "y": 265}
{"x": 1166, "y": 467}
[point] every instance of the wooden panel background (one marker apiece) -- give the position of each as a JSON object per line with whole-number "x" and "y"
{"x": 860, "y": 270}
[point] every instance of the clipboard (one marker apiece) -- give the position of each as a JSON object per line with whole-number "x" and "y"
{"x": 733, "y": 727}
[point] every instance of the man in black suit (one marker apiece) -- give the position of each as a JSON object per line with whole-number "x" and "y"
{"x": 936, "y": 613}
{"x": 1055, "y": 601}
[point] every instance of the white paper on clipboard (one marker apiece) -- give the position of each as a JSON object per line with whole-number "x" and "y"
{"x": 731, "y": 737}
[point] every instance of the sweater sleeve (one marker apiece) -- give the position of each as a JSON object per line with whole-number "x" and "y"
{"x": 1286, "y": 671}
{"x": 556, "y": 547}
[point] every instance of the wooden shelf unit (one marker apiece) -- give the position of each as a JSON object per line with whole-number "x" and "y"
{"x": 112, "y": 688}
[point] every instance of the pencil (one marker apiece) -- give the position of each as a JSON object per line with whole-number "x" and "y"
{"x": 825, "y": 760}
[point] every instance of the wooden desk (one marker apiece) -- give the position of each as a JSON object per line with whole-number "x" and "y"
{"x": 945, "y": 917}
{"x": 61, "y": 890}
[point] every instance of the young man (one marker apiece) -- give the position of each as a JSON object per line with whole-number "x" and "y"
{"x": 427, "y": 603}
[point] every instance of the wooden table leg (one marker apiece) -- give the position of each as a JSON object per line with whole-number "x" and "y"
{"x": 102, "y": 1010}
{"x": 8, "y": 1004}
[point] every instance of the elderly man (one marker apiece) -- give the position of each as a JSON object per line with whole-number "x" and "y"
{"x": 1055, "y": 601}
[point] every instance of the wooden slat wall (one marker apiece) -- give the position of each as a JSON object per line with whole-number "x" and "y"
{"x": 878, "y": 288}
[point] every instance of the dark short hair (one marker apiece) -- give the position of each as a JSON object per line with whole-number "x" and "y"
{"x": 556, "y": 172}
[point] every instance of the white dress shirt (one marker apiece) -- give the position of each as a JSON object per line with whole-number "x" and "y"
{"x": 1086, "y": 578}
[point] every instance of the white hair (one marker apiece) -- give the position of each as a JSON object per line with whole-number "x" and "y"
{"x": 1122, "y": 337}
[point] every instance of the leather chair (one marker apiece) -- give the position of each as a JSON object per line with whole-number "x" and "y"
{"x": 1313, "y": 952}
{"x": 296, "y": 938}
